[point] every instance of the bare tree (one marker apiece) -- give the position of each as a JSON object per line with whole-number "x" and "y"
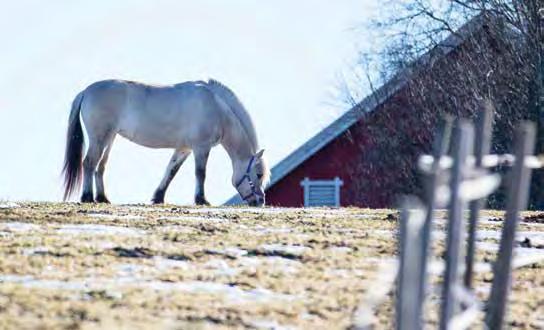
{"x": 497, "y": 55}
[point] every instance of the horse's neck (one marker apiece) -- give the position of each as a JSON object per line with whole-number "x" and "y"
{"x": 237, "y": 144}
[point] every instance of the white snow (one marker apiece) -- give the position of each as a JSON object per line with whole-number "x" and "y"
{"x": 231, "y": 293}
{"x": 94, "y": 229}
{"x": 230, "y": 252}
{"x": 18, "y": 226}
{"x": 8, "y": 205}
{"x": 221, "y": 267}
{"x": 261, "y": 230}
{"x": 340, "y": 249}
{"x": 114, "y": 216}
{"x": 193, "y": 218}
{"x": 291, "y": 249}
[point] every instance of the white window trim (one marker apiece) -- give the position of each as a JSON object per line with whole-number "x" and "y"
{"x": 306, "y": 183}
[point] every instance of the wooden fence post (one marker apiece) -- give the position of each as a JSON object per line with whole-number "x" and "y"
{"x": 408, "y": 303}
{"x": 519, "y": 180}
{"x": 482, "y": 144}
{"x": 464, "y": 139}
{"x": 440, "y": 148}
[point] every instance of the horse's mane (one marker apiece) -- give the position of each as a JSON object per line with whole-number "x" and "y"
{"x": 237, "y": 109}
{"x": 241, "y": 114}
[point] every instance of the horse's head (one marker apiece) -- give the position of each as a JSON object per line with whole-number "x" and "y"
{"x": 250, "y": 178}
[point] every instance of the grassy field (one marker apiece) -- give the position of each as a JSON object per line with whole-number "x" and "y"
{"x": 136, "y": 266}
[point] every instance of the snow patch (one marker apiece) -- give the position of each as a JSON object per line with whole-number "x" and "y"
{"x": 260, "y": 230}
{"x": 93, "y": 229}
{"x": 18, "y": 226}
{"x": 232, "y": 252}
{"x": 231, "y": 293}
{"x": 8, "y": 205}
{"x": 114, "y": 216}
{"x": 221, "y": 267}
{"x": 165, "y": 264}
{"x": 296, "y": 250}
{"x": 340, "y": 249}
{"x": 269, "y": 324}
{"x": 193, "y": 218}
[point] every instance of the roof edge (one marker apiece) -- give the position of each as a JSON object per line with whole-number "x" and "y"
{"x": 368, "y": 104}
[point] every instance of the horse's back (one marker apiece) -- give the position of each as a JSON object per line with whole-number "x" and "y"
{"x": 167, "y": 116}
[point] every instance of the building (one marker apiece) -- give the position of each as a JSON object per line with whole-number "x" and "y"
{"x": 345, "y": 163}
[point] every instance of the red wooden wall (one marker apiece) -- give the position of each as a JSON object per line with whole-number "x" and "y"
{"x": 334, "y": 160}
{"x": 344, "y": 157}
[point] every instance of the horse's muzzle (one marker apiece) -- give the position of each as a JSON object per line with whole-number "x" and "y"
{"x": 259, "y": 202}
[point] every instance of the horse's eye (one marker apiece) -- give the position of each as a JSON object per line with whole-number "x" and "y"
{"x": 259, "y": 176}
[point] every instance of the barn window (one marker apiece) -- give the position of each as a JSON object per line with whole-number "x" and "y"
{"x": 321, "y": 192}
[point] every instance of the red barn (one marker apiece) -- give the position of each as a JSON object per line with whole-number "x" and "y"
{"x": 342, "y": 166}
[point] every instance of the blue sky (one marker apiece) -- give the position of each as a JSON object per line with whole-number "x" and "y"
{"x": 282, "y": 58}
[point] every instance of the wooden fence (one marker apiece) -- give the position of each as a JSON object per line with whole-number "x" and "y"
{"x": 459, "y": 177}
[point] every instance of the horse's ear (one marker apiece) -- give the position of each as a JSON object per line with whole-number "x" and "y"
{"x": 259, "y": 154}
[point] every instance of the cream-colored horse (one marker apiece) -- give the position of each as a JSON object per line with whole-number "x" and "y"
{"x": 187, "y": 117}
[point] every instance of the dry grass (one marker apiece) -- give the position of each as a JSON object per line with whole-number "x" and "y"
{"x": 135, "y": 266}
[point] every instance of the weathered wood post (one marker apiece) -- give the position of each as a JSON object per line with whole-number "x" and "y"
{"x": 409, "y": 303}
{"x": 482, "y": 144}
{"x": 519, "y": 180}
{"x": 464, "y": 137}
{"x": 539, "y": 202}
{"x": 440, "y": 148}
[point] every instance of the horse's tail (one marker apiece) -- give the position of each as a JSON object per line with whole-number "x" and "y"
{"x": 74, "y": 150}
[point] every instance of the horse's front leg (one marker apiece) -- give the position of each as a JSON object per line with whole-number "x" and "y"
{"x": 201, "y": 159}
{"x": 173, "y": 166}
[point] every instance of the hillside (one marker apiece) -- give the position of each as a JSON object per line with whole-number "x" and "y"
{"x": 137, "y": 266}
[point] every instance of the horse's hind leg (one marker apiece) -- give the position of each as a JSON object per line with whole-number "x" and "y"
{"x": 99, "y": 174}
{"x": 89, "y": 165}
{"x": 174, "y": 164}
{"x": 97, "y": 145}
{"x": 201, "y": 159}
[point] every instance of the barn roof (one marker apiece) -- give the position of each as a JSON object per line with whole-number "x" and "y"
{"x": 368, "y": 104}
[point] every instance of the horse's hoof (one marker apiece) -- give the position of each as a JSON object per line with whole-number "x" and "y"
{"x": 201, "y": 201}
{"x": 158, "y": 197}
{"x": 102, "y": 199}
{"x": 87, "y": 198}
{"x": 157, "y": 201}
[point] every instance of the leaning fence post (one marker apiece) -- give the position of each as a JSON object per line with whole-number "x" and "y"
{"x": 518, "y": 191}
{"x": 482, "y": 144}
{"x": 464, "y": 133}
{"x": 440, "y": 148}
{"x": 408, "y": 303}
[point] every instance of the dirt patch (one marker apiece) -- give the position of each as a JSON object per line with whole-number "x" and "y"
{"x": 138, "y": 252}
{"x": 534, "y": 218}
